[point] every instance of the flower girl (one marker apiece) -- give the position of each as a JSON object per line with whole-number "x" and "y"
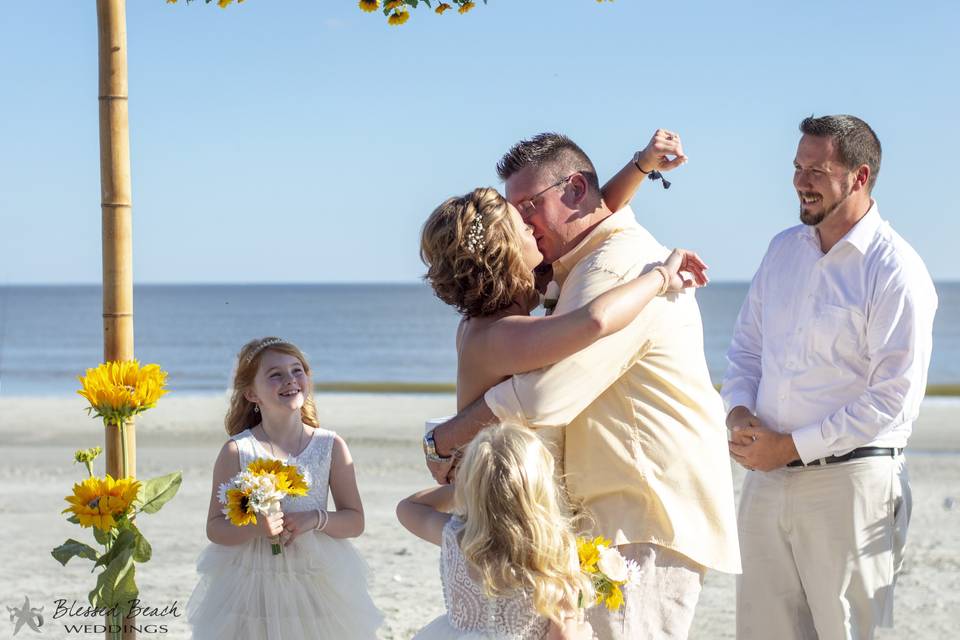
{"x": 508, "y": 556}
{"x": 316, "y": 587}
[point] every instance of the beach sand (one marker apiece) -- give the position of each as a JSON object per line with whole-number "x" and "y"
{"x": 383, "y": 432}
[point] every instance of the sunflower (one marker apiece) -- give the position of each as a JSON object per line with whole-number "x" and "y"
{"x": 393, "y": 4}
{"x": 99, "y": 502}
{"x": 589, "y": 554}
{"x": 466, "y": 6}
{"x": 443, "y": 6}
{"x": 613, "y": 601}
{"x": 398, "y": 17}
{"x": 120, "y": 389}
{"x": 289, "y": 480}
{"x": 369, "y": 5}
{"x": 238, "y": 509}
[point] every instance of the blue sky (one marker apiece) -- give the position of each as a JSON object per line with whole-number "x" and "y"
{"x": 304, "y": 141}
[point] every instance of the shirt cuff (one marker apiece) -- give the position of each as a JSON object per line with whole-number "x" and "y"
{"x": 809, "y": 443}
{"x": 739, "y": 399}
{"x": 505, "y": 404}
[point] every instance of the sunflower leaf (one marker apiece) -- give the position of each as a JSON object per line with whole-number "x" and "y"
{"x": 142, "y": 551}
{"x": 102, "y": 537}
{"x": 116, "y": 585}
{"x": 72, "y": 548}
{"x": 123, "y": 544}
{"x": 156, "y": 492}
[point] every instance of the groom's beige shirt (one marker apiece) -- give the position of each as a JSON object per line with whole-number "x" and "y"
{"x": 645, "y": 442}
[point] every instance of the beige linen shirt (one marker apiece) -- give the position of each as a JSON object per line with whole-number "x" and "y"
{"x": 645, "y": 448}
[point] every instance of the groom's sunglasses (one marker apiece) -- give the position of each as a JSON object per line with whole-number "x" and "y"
{"x": 528, "y": 206}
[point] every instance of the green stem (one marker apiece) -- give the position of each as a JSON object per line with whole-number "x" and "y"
{"x": 123, "y": 447}
{"x": 89, "y": 464}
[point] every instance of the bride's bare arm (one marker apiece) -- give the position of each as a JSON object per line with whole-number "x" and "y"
{"x": 516, "y": 344}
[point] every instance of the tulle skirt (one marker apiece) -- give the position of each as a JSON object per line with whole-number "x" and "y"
{"x": 316, "y": 589}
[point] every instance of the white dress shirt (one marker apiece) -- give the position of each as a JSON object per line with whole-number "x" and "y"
{"x": 834, "y": 348}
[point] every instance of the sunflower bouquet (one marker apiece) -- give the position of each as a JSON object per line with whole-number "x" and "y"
{"x": 258, "y": 490}
{"x": 607, "y": 570}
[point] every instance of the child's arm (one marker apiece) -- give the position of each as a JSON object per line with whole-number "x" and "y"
{"x": 219, "y": 529}
{"x": 423, "y": 513}
{"x": 516, "y": 344}
{"x": 621, "y": 188}
{"x": 347, "y": 521}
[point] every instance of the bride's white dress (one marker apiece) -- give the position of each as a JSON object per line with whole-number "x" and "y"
{"x": 315, "y": 589}
{"x": 471, "y": 615}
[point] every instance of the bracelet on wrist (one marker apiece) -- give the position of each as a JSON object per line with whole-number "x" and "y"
{"x": 636, "y": 163}
{"x": 662, "y": 270}
{"x": 322, "y": 518}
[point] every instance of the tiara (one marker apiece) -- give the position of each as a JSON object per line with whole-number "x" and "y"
{"x": 260, "y": 347}
{"x": 475, "y": 240}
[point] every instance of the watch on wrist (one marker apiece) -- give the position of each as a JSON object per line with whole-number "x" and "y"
{"x": 430, "y": 449}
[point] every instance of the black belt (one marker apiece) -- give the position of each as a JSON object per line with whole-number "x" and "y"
{"x": 862, "y": 452}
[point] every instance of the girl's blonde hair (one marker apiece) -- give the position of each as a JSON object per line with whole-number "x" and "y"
{"x": 241, "y": 414}
{"x": 474, "y": 255}
{"x": 517, "y": 533}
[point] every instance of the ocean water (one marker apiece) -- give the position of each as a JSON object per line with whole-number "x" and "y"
{"x": 351, "y": 333}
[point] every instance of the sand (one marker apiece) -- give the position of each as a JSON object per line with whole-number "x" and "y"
{"x": 383, "y": 431}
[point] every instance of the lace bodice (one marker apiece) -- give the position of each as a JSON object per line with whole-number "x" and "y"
{"x": 313, "y": 461}
{"x": 468, "y": 609}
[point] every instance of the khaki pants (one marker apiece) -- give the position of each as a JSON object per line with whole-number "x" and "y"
{"x": 661, "y": 607}
{"x": 821, "y": 549}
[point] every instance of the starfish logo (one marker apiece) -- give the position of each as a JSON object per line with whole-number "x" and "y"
{"x": 26, "y": 615}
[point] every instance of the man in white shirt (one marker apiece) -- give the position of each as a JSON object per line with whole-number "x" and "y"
{"x": 828, "y": 366}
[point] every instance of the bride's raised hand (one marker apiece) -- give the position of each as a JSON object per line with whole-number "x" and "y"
{"x": 680, "y": 262}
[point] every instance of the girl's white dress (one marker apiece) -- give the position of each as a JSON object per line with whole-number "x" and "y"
{"x": 471, "y": 615}
{"x": 315, "y": 589}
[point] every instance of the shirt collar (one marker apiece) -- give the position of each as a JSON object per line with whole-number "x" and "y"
{"x": 614, "y": 223}
{"x": 859, "y": 236}
{"x": 862, "y": 233}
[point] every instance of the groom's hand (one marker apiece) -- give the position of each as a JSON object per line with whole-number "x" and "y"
{"x": 442, "y": 472}
{"x": 657, "y": 154}
{"x": 763, "y": 449}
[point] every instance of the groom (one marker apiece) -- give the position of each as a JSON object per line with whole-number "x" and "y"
{"x": 645, "y": 441}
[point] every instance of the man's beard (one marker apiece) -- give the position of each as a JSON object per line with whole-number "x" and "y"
{"x": 813, "y": 219}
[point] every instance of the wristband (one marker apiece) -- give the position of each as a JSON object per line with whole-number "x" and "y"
{"x": 636, "y": 163}
{"x": 322, "y": 518}
{"x": 662, "y": 270}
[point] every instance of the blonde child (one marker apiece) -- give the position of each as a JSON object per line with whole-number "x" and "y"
{"x": 508, "y": 559}
{"x": 316, "y": 588}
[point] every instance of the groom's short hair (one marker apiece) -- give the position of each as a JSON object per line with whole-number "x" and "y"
{"x": 553, "y": 152}
{"x": 855, "y": 141}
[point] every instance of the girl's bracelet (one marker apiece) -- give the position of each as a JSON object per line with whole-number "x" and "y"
{"x": 322, "y": 518}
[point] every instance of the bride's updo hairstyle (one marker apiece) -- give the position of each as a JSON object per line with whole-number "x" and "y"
{"x": 241, "y": 414}
{"x": 517, "y": 533}
{"x": 474, "y": 256}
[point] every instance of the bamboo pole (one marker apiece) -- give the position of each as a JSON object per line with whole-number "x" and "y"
{"x": 115, "y": 194}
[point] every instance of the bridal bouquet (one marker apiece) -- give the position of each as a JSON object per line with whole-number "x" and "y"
{"x": 258, "y": 489}
{"x": 607, "y": 569}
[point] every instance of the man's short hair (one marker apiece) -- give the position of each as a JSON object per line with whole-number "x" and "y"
{"x": 553, "y": 152}
{"x": 856, "y": 142}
